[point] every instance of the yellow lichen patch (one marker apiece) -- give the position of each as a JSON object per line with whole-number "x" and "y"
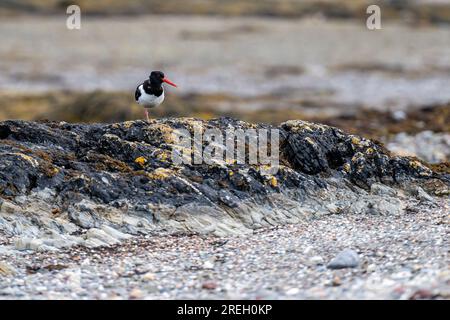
{"x": 310, "y": 141}
{"x": 306, "y": 128}
{"x": 128, "y": 124}
{"x": 321, "y": 127}
{"x": 31, "y": 160}
{"x": 103, "y": 162}
{"x": 230, "y": 173}
{"x": 141, "y": 161}
{"x": 347, "y": 167}
{"x": 160, "y": 174}
{"x": 265, "y": 167}
{"x": 370, "y": 151}
{"x": 52, "y": 171}
{"x": 165, "y": 130}
{"x": 356, "y": 156}
{"x": 163, "y": 156}
{"x": 356, "y": 140}
{"x": 184, "y": 153}
{"x": 230, "y": 161}
{"x": 418, "y": 165}
{"x": 298, "y": 125}
{"x": 273, "y": 182}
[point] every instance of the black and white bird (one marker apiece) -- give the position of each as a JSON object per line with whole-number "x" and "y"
{"x": 150, "y": 93}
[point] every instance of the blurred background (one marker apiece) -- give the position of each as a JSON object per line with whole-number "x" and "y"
{"x": 256, "y": 60}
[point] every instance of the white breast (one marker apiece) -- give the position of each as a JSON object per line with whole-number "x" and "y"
{"x": 149, "y": 101}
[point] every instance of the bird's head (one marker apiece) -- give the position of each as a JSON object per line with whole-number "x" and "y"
{"x": 157, "y": 78}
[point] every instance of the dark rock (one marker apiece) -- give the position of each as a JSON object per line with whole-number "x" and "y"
{"x": 122, "y": 172}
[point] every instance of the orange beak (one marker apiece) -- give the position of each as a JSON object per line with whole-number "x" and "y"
{"x": 169, "y": 82}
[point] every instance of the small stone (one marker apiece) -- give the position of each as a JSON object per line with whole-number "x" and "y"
{"x": 308, "y": 250}
{"x": 208, "y": 265}
{"x": 136, "y": 294}
{"x": 422, "y": 294}
{"x": 6, "y": 269}
{"x": 293, "y": 291}
{"x": 149, "y": 276}
{"x": 316, "y": 260}
{"x": 371, "y": 268}
{"x": 210, "y": 285}
{"x": 333, "y": 208}
{"x": 141, "y": 161}
{"x": 336, "y": 281}
{"x": 106, "y": 181}
{"x": 345, "y": 259}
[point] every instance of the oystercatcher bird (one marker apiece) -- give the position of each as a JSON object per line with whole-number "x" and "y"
{"x": 150, "y": 93}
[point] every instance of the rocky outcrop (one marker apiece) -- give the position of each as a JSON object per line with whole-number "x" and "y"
{"x": 67, "y": 184}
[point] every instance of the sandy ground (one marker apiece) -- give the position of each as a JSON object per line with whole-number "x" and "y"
{"x": 400, "y": 257}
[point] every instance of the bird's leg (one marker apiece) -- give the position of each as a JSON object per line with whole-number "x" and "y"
{"x": 146, "y": 115}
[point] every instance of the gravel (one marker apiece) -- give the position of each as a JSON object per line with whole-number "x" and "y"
{"x": 400, "y": 257}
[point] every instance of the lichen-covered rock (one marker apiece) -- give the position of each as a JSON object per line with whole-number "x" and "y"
{"x": 76, "y": 179}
